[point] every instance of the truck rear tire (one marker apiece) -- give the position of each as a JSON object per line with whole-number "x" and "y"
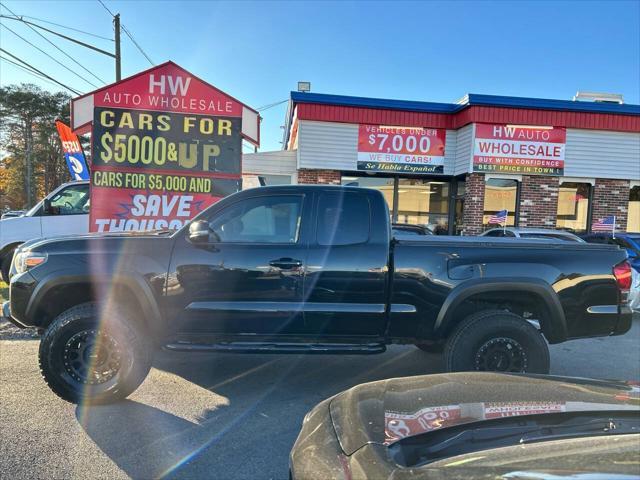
{"x": 496, "y": 340}
{"x": 91, "y": 356}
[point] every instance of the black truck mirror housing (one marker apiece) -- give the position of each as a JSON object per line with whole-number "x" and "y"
{"x": 199, "y": 232}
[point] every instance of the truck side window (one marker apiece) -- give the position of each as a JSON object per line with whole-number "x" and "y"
{"x": 343, "y": 218}
{"x": 73, "y": 200}
{"x": 273, "y": 219}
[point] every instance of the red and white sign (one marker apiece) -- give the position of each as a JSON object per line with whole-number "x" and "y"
{"x": 165, "y": 88}
{"x": 133, "y": 210}
{"x": 519, "y": 149}
{"x": 168, "y": 88}
{"x": 401, "y": 149}
{"x": 165, "y": 146}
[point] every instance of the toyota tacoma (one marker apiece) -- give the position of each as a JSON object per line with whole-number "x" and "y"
{"x": 305, "y": 269}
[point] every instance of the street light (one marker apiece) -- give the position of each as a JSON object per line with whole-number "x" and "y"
{"x": 304, "y": 86}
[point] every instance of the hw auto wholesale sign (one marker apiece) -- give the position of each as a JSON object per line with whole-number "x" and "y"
{"x": 166, "y": 145}
{"x": 401, "y": 149}
{"x": 519, "y": 149}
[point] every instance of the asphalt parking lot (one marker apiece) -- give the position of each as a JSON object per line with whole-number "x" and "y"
{"x": 221, "y": 416}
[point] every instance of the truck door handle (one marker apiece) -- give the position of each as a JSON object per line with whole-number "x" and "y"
{"x": 285, "y": 263}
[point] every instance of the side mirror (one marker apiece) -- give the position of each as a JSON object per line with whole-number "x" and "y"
{"x": 200, "y": 233}
{"x": 46, "y": 206}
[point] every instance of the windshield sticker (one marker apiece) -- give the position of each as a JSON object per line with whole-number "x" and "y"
{"x": 402, "y": 425}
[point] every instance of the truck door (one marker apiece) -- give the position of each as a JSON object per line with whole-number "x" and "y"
{"x": 69, "y": 213}
{"x": 346, "y": 275}
{"x": 249, "y": 280}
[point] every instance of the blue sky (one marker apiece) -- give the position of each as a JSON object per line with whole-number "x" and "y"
{"x": 432, "y": 51}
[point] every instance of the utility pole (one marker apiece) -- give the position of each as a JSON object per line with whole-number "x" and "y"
{"x": 116, "y": 26}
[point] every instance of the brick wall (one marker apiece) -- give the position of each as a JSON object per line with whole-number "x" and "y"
{"x": 473, "y": 204}
{"x": 611, "y": 197}
{"x": 331, "y": 177}
{"x": 538, "y": 201}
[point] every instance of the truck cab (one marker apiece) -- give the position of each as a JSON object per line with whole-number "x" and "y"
{"x": 64, "y": 211}
{"x": 305, "y": 269}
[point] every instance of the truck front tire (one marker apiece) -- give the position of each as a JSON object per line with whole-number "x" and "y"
{"x": 94, "y": 356}
{"x": 496, "y": 340}
{"x": 6, "y": 264}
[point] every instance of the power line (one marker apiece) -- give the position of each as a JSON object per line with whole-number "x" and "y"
{"x": 40, "y": 72}
{"x": 56, "y": 47}
{"x": 52, "y": 58}
{"x": 87, "y": 45}
{"x": 67, "y": 27}
{"x": 271, "y": 105}
{"x": 129, "y": 34}
{"x": 106, "y": 8}
{"x": 25, "y": 69}
{"x": 137, "y": 45}
{"x": 22, "y": 67}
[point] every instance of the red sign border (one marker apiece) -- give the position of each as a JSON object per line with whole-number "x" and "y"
{"x": 82, "y": 128}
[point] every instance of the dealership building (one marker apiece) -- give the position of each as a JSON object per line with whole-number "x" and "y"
{"x": 547, "y": 163}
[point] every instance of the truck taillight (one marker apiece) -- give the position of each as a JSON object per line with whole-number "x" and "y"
{"x": 622, "y": 272}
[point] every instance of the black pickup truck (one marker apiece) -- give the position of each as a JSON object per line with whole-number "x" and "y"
{"x": 305, "y": 269}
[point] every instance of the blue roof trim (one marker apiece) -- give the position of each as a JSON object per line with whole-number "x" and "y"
{"x": 468, "y": 100}
{"x": 550, "y": 104}
{"x": 407, "y": 105}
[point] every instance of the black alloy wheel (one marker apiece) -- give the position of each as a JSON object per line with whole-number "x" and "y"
{"x": 92, "y": 356}
{"x": 496, "y": 341}
{"x": 501, "y": 355}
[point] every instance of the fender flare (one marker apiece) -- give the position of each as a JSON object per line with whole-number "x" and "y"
{"x": 554, "y": 328}
{"x": 152, "y": 318}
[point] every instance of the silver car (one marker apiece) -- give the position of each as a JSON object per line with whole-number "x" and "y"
{"x": 521, "y": 232}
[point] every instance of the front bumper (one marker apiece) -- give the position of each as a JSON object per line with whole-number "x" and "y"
{"x": 21, "y": 288}
{"x": 5, "y": 314}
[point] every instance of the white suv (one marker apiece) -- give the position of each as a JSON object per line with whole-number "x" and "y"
{"x": 65, "y": 211}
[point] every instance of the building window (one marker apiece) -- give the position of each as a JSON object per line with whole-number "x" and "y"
{"x": 500, "y": 194}
{"x": 458, "y": 217}
{"x": 266, "y": 180}
{"x": 633, "y": 218}
{"x": 424, "y": 202}
{"x": 385, "y": 185}
{"x": 415, "y": 201}
{"x": 253, "y": 180}
{"x": 573, "y": 206}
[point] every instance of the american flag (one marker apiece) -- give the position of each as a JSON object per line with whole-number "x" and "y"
{"x": 499, "y": 218}
{"x": 607, "y": 224}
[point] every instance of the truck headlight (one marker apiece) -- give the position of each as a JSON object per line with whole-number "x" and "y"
{"x": 23, "y": 261}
